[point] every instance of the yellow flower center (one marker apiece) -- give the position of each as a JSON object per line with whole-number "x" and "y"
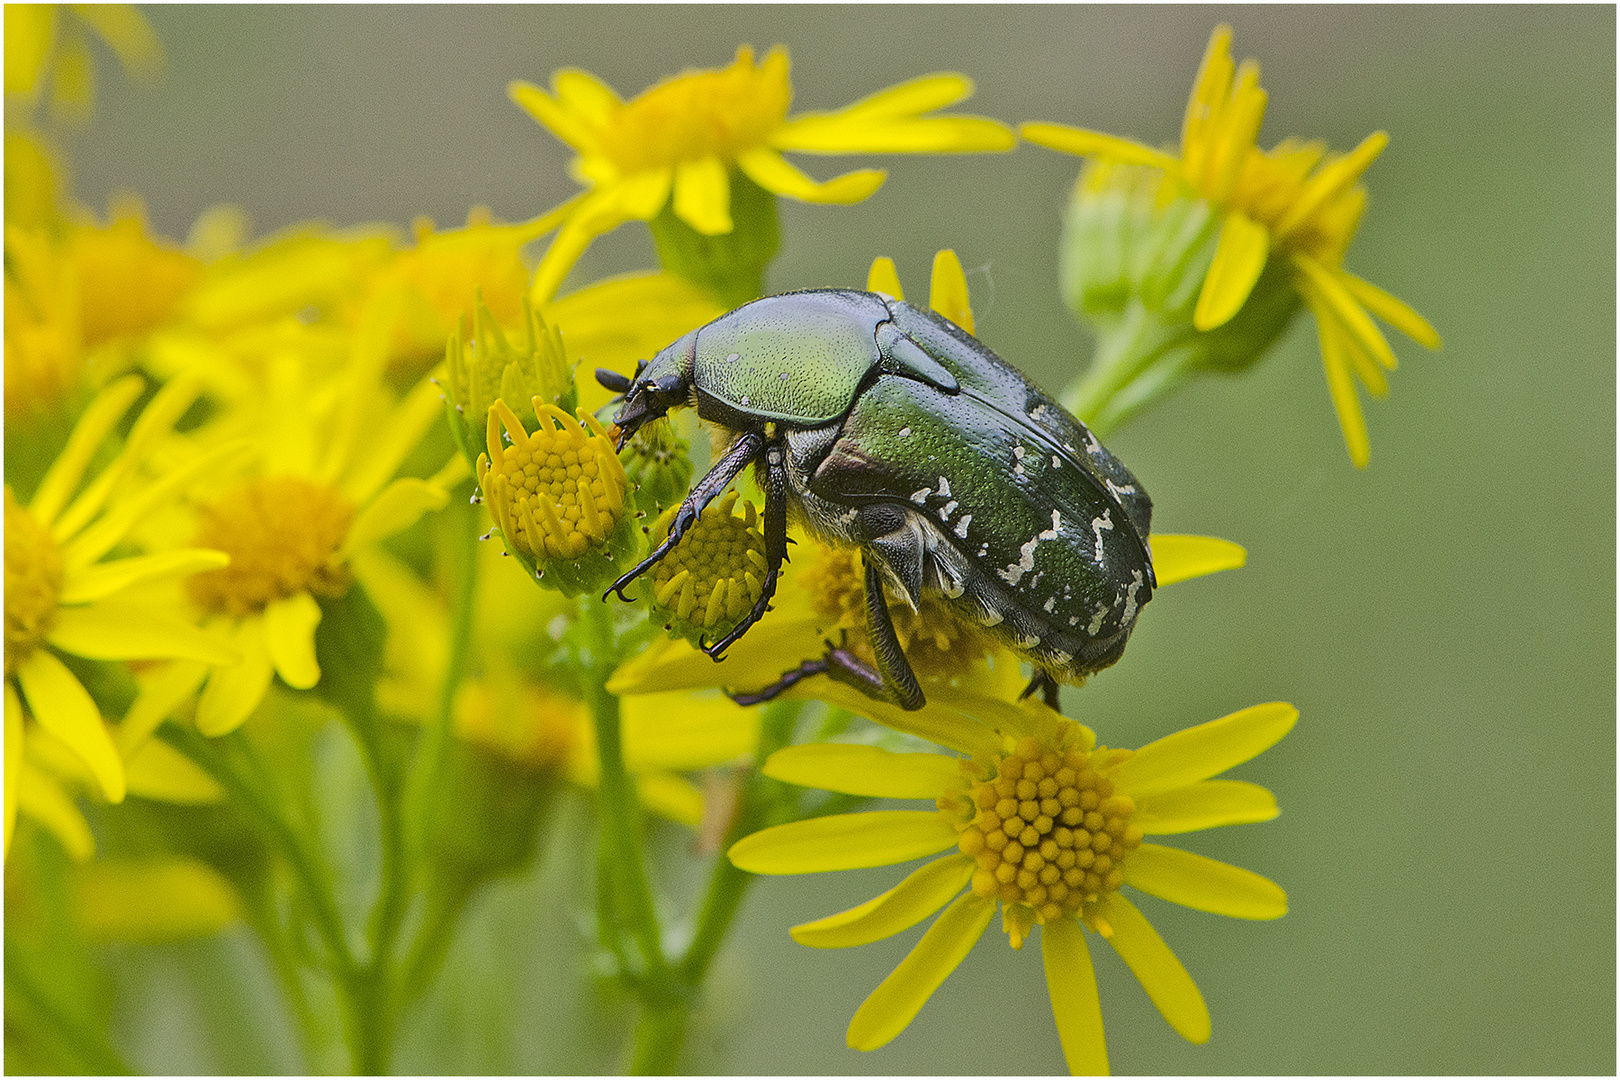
{"x": 1047, "y": 830}
{"x": 936, "y": 642}
{"x": 713, "y": 576}
{"x": 554, "y": 492}
{"x": 700, "y": 114}
{"x": 33, "y": 582}
{"x": 282, "y": 534}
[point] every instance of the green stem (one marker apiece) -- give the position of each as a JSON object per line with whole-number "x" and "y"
{"x": 624, "y": 870}
{"x": 213, "y": 756}
{"x": 1135, "y": 363}
{"x": 422, "y": 785}
{"x": 85, "y": 1044}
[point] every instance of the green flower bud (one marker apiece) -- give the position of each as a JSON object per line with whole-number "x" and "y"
{"x": 658, "y": 466}
{"x": 489, "y": 367}
{"x": 557, "y": 495}
{"x": 713, "y": 577}
{"x": 1133, "y": 257}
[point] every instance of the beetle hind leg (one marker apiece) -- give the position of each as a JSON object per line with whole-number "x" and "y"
{"x": 1047, "y": 685}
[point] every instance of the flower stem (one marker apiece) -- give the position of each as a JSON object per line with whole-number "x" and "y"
{"x": 1138, "y": 360}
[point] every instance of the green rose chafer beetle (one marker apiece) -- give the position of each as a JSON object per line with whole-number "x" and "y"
{"x": 892, "y": 429}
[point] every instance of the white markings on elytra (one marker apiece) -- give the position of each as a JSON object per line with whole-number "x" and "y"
{"x": 1117, "y": 490}
{"x": 961, "y": 526}
{"x": 1097, "y": 618}
{"x": 947, "y": 510}
{"x": 1014, "y": 573}
{"x": 1130, "y": 598}
{"x": 905, "y": 432}
{"x": 1051, "y": 604}
{"x": 744, "y": 401}
{"x": 944, "y": 488}
{"x": 920, "y": 496}
{"x": 1092, "y": 445}
{"x": 783, "y": 376}
{"x": 1098, "y": 524}
{"x": 1029, "y": 641}
{"x": 733, "y": 358}
{"x": 1057, "y": 462}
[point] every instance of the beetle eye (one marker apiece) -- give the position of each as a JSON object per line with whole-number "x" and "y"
{"x": 668, "y": 386}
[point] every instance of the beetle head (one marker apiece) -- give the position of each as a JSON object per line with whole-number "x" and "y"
{"x": 658, "y": 386}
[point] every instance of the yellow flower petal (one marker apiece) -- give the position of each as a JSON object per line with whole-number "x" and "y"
{"x": 681, "y": 730}
{"x": 1209, "y": 88}
{"x": 155, "y": 420}
{"x": 568, "y": 125}
{"x": 703, "y": 195}
{"x": 771, "y": 171}
{"x": 93, "y": 427}
{"x": 385, "y": 450}
{"x": 159, "y": 771}
{"x": 925, "y": 93}
{"x": 162, "y": 692}
{"x": 584, "y": 95}
{"x": 843, "y": 842}
{"x": 897, "y": 999}
{"x": 1205, "y": 884}
{"x": 1178, "y": 556}
{"x": 1197, "y": 753}
{"x": 119, "y": 630}
{"x": 63, "y": 708}
{"x": 39, "y": 797}
{"x": 103, "y": 579}
{"x": 923, "y": 892}
{"x": 884, "y": 278}
{"x": 1240, "y": 255}
{"x": 907, "y": 135}
{"x": 127, "y": 33}
{"x": 1331, "y": 181}
{"x": 1393, "y": 311}
{"x": 396, "y": 508}
{"x": 233, "y": 692}
{"x": 1336, "y": 348}
{"x": 939, "y": 721}
{"x": 1072, "y": 985}
{"x": 1208, "y": 804}
{"x": 1073, "y": 140}
{"x": 864, "y": 770}
{"x": 948, "y": 291}
{"x": 157, "y": 899}
{"x": 14, "y": 761}
{"x": 1156, "y": 967}
{"x": 1329, "y": 294}
{"x": 671, "y": 796}
{"x": 289, "y": 637}
{"x": 30, "y": 34}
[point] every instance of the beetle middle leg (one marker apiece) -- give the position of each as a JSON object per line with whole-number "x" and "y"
{"x": 1046, "y": 684}
{"x": 736, "y": 459}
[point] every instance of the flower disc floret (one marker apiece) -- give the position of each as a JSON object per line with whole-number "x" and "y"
{"x": 713, "y": 576}
{"x": 33, "y": 583}
{"x": 283, "y": 534}
{"x": 1048, "y": 830}
{"x": 556, "y": 491}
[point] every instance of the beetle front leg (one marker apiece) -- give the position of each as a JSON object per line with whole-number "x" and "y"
{"x": 736, "y": 459}
{"x": 775, "y": 527}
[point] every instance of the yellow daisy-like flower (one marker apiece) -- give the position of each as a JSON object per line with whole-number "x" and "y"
{"x": 1044, "y": 822}
{"x": 1295, "y": 203}
{"x": 681, "y": 141}
{"x": 320, "y": 488}
{"x": 63, "y": 595}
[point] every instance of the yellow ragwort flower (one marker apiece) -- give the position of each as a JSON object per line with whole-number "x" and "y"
{"x": 319, "y": 486}
{"x": 681, "y": 141}
{"x": 63, "y": 595}
{"x": 1043, "y": 822}
{"x": 1295, "y": 202}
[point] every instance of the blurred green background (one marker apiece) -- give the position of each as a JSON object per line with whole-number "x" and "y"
{"x": 1444, "y": 620}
